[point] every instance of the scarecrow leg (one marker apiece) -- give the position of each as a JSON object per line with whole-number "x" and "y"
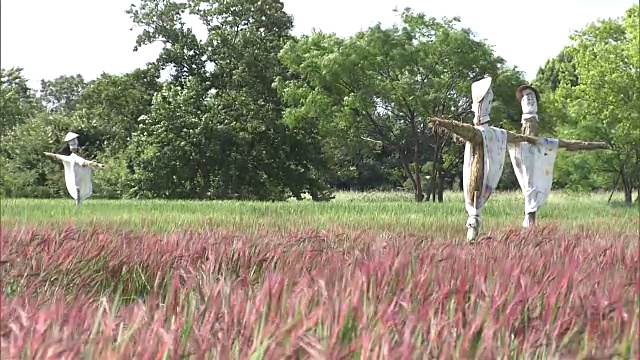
{"x": 529, "y": 128}
{"x": 529, "y": 220}
{"x": 78, "y": 201}
{"x": 474, "y": 221}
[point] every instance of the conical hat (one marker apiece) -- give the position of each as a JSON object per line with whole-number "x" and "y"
{"x": 70, "y": 136}
{"x": 480, "y": 88}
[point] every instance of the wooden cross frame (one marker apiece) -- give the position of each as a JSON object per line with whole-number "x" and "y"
{"x": 471, "y": 134}
{"x": 474, "y": 136}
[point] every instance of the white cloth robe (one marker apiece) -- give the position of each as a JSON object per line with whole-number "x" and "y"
{"x": 77, "y": 176}
{"x": 533, "y": 166}
{"x": 495, "y": 147}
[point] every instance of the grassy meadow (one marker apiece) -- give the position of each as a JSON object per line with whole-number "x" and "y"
{"x": 366, "y": 276}
{"x": 376, "y": 211}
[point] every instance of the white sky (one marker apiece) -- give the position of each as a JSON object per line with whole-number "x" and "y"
{"x": 66, "y": 37}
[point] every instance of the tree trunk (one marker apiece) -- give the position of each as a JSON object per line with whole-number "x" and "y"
{"x": 415, "y": 181}
{"x": 435, "y": 168}
{"x": 615, "y": 185}
{"x": 627, "y": 187}
{"x": 417, "y": 172}
{"x": 441, "y": 179}
{"x": 206, "y": 183}
{"x": 628, "y": 195}
{"x": 434, "y": 176}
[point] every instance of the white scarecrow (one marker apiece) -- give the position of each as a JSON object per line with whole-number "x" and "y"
{"x": 77, "y": 170}
{"x": 533, "y": 164}
{"x": 484, "y": 155}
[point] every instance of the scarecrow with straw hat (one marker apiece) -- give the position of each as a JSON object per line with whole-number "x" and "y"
{"x": 484, "y": 155}
{"x": 77, "y": 170}
{"x": 533, "y": 164}
{"x": 486, "y": 146}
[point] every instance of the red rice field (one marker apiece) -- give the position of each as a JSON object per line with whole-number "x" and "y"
{"x": 71, "y": 293}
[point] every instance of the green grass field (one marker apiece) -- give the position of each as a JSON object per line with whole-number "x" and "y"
{"x": 374, "y": 211}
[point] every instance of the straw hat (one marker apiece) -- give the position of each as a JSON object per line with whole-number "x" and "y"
{"x": 522, "y": 88}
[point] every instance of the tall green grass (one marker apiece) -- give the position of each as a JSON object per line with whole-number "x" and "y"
{"x": 376, "y": 211}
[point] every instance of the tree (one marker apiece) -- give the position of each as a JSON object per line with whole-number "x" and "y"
{"x": 112, "y": 104}
{"x": 381, "y": 84}
{"x": 603, "y": 102}
{"x": 559, "y": 70}
{"x": 220, "y": 105}
{"x": 17, "y": 100}
{"x": 60, "y": 95}
{"x": 25, "y": 171}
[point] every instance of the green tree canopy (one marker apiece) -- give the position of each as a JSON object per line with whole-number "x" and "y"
{"x": 216, "y": 128}
{"x": 598, "y": 99}
{"x": 382, "y": 84}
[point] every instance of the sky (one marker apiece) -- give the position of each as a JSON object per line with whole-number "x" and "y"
{"x": 67, "y": 37}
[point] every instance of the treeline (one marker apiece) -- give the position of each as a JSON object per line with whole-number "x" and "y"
{"x": 252, "y": 112}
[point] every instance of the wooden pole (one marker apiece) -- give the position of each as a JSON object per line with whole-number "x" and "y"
{"x": 530, "y": 129}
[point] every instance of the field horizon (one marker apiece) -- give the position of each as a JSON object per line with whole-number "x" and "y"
{"x": 375, "y": 210}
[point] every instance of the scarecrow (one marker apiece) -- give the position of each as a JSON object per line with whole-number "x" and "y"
{"x": 533, "y": 164}
{"x": 484, "y": 155}
{"x": 77, "y": 171}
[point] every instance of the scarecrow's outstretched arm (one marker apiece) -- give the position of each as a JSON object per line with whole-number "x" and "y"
{"x": 514, "y": 138}
{"x": 93, "y": 164}
{"x": 471, "y": 134}
{"x": 573, "y": 145}
{"x": 465, "y": 131}
{"x": 52, "y": 155}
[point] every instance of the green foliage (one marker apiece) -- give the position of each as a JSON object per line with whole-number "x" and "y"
{"x": 252, "y": 112}
{"x": 168, "y": 142}
{"x": 17, "y": 101}
{"x": 219, "y": 132}
{"x": 111, "y": 106}
{"x": 60, "y": 95}
{"x": 26, "y": 172}
{"x": 602, "y": 104}
{"x": 557, "y": 71}
{"x": 382, "y": 84}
